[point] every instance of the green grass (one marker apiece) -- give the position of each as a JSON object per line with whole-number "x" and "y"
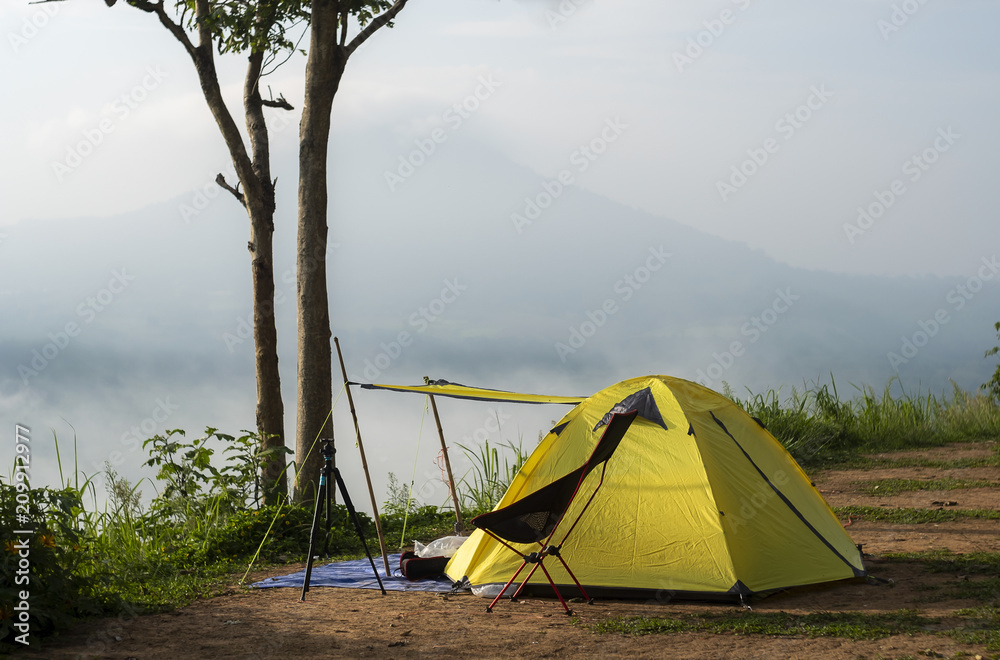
{"x": 943, "y": 561}
{"x": 820, "y": 429}
{"x": 977, "y": 578}
{"x": 424, "y": 524}
{"x": 862, "y": 462}
{"x": 486, "y": 482}
{"x": 982, "y": 626}
{"x": 889, "y": 487}
{"x": 849, "y": 625}
{"x": 914, "y": 516}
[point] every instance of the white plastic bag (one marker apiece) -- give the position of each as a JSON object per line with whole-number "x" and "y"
{"x": 491, "y": 590}
{"x": 443, "y": 547}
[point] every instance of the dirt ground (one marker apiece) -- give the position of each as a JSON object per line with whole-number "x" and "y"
{"x": 356, "y": 623}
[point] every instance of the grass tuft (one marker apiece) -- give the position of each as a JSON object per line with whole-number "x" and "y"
{"x": 889, "y": 487}
{"x": 487, "y": 481}
{"x": 849, "y": 625}
{"x": 822, "y": 430}
{"x": 908, "y": 516}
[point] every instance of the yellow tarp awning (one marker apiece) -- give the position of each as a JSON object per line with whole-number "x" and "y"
{"x": 456, "y": 391}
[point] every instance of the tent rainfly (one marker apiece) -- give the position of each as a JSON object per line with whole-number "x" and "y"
{"x": 699, "y": 501}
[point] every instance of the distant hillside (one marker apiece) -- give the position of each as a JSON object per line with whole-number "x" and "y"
{"x": 524, "y": 298}
{"x": 118, "y": 328}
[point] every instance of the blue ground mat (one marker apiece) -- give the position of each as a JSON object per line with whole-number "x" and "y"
{"x": 356, "y": 574}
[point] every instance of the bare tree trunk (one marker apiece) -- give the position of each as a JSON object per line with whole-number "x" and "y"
{"x": 324, "y": 69}
{"x": 328, "y": 54}
{"x": 270, "y": 410}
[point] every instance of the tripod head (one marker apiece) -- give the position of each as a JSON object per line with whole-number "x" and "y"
{"x": 328, "y": 450}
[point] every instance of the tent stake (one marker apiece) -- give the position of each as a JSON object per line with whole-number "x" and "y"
{"x": 459, "y": 524}
{"x": 364, "y": 461}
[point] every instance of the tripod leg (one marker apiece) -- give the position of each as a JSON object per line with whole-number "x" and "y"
{"x": 329, "y": 515}
{"x": 312, "y": 534}
{"x": 357, "y": 525}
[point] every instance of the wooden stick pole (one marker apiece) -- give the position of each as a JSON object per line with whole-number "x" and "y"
{"x": 460, "y": 525}
{"x": 364, "y": 462}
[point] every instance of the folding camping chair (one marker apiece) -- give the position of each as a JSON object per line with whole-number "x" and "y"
{"x": 536, "y": 517}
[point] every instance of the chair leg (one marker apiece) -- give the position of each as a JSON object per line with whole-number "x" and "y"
{"x": 556, "y": 589}
{"x": 579, "y": 586}
{"x": 489, "y": 608}
{"x": 540, "y": 564}
{"x": 525, "y": 582}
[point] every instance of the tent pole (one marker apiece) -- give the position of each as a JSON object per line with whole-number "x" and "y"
{"x": 364, "y": 461}
{"x": 459, "y": 524}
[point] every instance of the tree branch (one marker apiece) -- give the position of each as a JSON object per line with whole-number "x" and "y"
{"x": 221, "y": 180}
{"x": 204, "y": 63}
{"x": 374, "y": 25}
{"x": 157, "y": 9}
{"x": 253, "y": 108}
{"x": 280, "y": 102}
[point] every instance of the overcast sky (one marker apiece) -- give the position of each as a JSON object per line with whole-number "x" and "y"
{"x": 857, "y": 136}
{"x": 837, "y": 101}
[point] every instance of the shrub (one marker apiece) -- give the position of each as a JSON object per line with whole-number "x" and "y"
{"x": 49, "y": 564}
{"x": 992, "y": 386}
{"x": 281, "y": 532}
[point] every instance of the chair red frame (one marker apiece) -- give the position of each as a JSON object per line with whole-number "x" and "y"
{"x": 537, "y": 517}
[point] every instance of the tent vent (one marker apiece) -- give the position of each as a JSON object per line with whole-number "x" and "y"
{"x": 643, "y": 402}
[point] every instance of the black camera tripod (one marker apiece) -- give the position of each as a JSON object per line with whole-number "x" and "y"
{"x": 325, "y": 495}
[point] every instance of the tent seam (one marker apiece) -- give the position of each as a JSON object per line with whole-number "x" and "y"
{"x": 788, "y": 503}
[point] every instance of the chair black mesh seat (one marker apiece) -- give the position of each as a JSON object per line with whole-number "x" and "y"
{"x": 535, "y": 517}
{"x": 532, "y": 518}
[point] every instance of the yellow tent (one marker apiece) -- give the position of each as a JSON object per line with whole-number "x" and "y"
{"x": 698, "y": 501}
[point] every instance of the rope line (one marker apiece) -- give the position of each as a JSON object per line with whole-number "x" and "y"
{"x": 413, "y": 476}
